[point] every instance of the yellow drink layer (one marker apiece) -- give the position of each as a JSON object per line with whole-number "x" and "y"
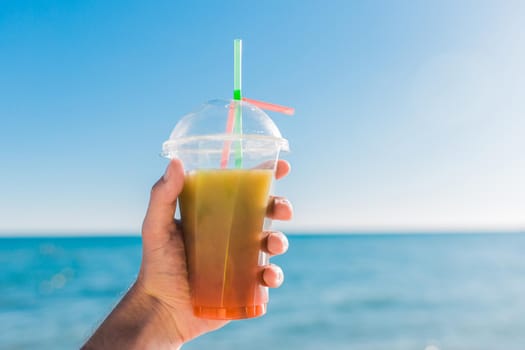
{"x": 223, "y": 213}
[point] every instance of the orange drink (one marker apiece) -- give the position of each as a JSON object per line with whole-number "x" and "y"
{"x": 223, "y": 213}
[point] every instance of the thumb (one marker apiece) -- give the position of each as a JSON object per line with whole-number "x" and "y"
{"x": 163, "y": 202}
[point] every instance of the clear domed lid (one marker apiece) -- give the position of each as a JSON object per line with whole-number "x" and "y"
{"x": 207, "y": 128}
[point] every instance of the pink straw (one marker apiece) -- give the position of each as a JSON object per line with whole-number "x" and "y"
{"x": 270, "y": 106}
{"x": 227, "y": 143}
{"x": 231, "y": 118}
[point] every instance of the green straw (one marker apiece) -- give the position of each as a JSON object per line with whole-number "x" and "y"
{"x": 237, "y": 96}
{"x": 237, "y": 69}
{"x": 237, "y": 129}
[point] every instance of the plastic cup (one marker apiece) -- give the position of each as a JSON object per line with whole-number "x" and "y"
{"x": 223, "y": 208}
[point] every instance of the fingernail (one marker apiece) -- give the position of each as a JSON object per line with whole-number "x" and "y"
{"x": 167, "y": 173}
{"x": 286, "y": 243}
{"x": 283, "y": 201}
{"x": 280, "y": 276}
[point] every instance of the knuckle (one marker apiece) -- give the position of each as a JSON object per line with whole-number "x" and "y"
{"x": 156, "y": 187}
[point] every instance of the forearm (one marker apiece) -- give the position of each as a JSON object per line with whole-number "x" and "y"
{"x": 138, "y": 322}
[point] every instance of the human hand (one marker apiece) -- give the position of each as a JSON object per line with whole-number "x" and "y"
{"x": 161, "y": 292}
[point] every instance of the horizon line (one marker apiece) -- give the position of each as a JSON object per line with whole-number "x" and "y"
{"x": 294, "y": 232}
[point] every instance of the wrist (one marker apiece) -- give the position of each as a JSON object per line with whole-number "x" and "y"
{"x": 139, "y": 321}
{"x": 160, "y": 328}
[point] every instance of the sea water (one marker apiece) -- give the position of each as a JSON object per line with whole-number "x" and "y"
{"x": 391, "y": 291}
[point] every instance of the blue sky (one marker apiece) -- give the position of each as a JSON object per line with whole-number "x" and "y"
{"x": 409, "y": 115}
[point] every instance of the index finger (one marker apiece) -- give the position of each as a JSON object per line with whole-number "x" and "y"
{"x": 283, "y": 168}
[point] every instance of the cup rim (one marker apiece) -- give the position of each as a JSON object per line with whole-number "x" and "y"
{"x": 174, "y": 146}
